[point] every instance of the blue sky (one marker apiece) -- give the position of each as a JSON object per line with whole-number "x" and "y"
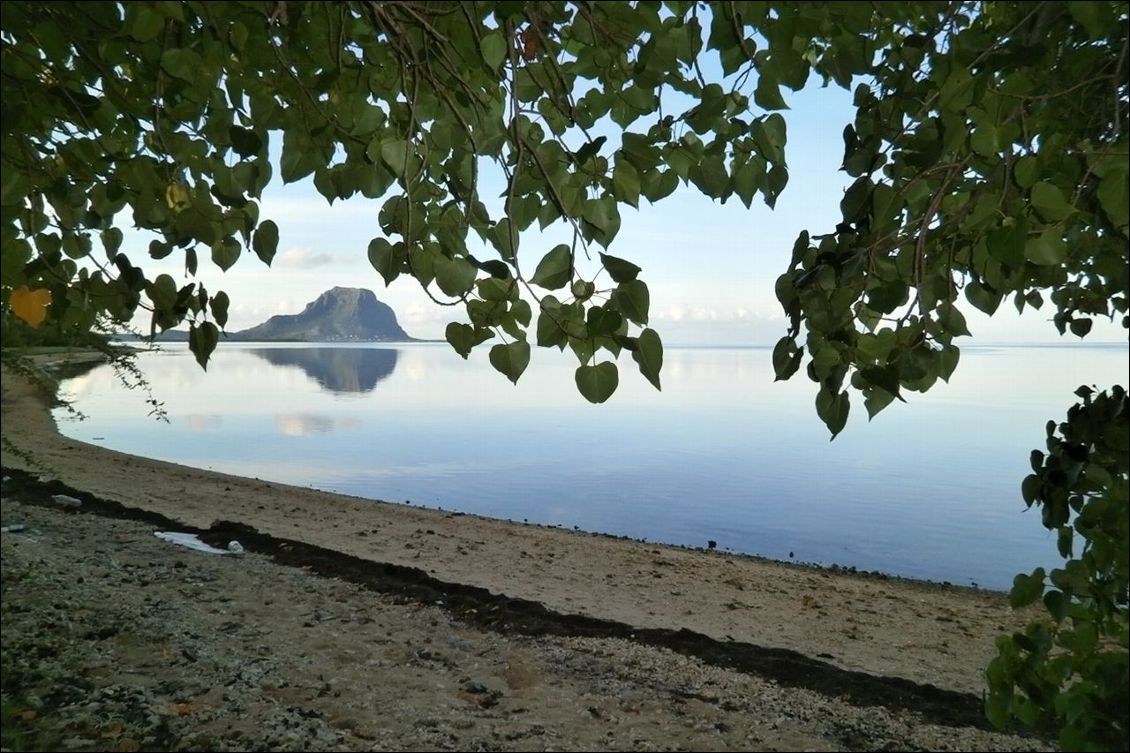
{"x": 710, "y": 267}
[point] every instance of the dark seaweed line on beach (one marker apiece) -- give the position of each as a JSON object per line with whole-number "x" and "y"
{"x": 510, "y": 616}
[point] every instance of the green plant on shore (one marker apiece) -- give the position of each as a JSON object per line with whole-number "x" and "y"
{"x": 988, "y": 152}
{"x": 15, "y": 731}
{"x": 22, "y": 345}
{"x": 1071, "y": 669}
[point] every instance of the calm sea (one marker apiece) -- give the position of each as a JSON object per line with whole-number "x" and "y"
{"x": 926, "y": 490}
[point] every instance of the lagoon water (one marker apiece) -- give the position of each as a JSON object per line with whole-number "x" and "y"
{"x": 926, "y": 490}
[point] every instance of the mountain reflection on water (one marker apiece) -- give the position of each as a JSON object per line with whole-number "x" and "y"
{"x": 336, "y": 369}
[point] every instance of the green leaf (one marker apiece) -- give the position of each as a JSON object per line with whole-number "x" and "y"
{"x": 506, "y": 238}
{"x": 982, "y": 298}
{"x": 985, "y": 140}
{"x": 746, "y": 179}
{"x": 1026, "y": 170}
{"x": 1056, "y": 604}
{"x": 1095, "y": 17}
{"x": 876, "y": 400}
{"x": 1114, "y": 197}
{"x": 710, "y": 177}
{"x": 775, "y": 182}
{"x": 603, "y": 321}
{"x": 159, "y": 250}
{"x": 266, "y": 241}
{"x": 632, "y": 300}
{"x": 220, "y": 303}
{"x": 883, "y": 377}
{"x": 786, "y": 358}
{"x": 954, "y": 321}
{"x": 225, "y": 253}
{"x": 455, "y": 277}
{"x": 297, "y": 162}
{"x": 1050, "y": 202}
{"x": 649, "y": 356}
{"x": 163, "y": 292}
{"x": 1026, "y": 588}
{"x": 947, "y": 361}
{"x": 142, "y": 23}
{"x": 555, "y": 270}
{"x": 386, "y": 259}
{"x": 394, "y": 152}
{"x": 887, "y": 297}
{"x": 237, "y": 35}
{"x": 462, "y": 338}
{"x": 619, "y": 269}
{"x": 856, "y": 200}
{"x": 659, "y": 185}
{"x": 957, "y": 90}
{"x": 76, "y": 245}
{"x": 768, "y": 93}
{"x": 111, "y": 241}
{"x": 181, "y": 63}
{"x": 245, "y": 142}
{"x": 626, "y": 183}
{"x": 770, "y": 137}
{"x": 1046, "y": 249}
{"x": 202, "y": 341}
{"x": 511, "y": 359}
{"x": 549, "y": 332}
{"x": 1080, "y": 327}
{"x": 521, "y": 312}
{"x": 832, "y": 408}
{"x": 602, "y": 214}
{"x": 597, "y": 383}
{"x": 1006, "y": 245}
{"x": 497, "y": 289}
{"x": 494, "y": 50}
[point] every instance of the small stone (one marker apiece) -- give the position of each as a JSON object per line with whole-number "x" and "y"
{"x": 14, "y": 528}
{"x": 65, "y": 500}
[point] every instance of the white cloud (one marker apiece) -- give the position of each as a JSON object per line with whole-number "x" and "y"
{"x": 306, "y": 424}
{"x": 418, "y": 312}
{"x": 685, "y": 313}
{"x": 304, "y": 258}
{"x": 203, "y": 421}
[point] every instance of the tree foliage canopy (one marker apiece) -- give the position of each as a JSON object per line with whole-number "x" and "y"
{"x": 988, "y": 152}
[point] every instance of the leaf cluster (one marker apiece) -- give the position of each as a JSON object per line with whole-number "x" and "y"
{"x": 1071, "y": 670}
{"x": 989, "y": 153}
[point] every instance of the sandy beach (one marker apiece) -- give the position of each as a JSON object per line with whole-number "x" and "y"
{"x": 354, "y": 625}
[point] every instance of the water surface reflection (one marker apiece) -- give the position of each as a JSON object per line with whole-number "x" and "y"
{"x": 336, "y": 369}
{"x": 723, "y": 453}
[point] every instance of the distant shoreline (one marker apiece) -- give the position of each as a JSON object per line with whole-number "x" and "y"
{"x": 183, "y": 338}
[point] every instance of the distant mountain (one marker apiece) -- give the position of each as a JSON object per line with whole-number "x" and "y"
{"x": 338, "y": 315}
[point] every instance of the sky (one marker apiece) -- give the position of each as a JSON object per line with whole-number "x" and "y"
{"x": 710, "y": 267}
